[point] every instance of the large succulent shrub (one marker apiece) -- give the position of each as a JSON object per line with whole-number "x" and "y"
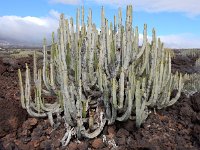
{"x": 191, "y": 80}
{"x": 100, "y": 77}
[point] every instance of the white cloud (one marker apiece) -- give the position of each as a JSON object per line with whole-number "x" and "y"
{"x": 54, "y": 13}
{"x": 32, "y": 30}
{"x": 29, "y": 29}
{"x": 178, "y": 41}
{"x": 190, "y": 7}
{"x": 181, "y": 41}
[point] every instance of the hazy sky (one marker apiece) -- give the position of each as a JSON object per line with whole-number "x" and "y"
{"x": 177, "y": 22}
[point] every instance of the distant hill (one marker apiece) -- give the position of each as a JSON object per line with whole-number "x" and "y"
{"x": 10, "y": 45}
{"x": 14, "y": 45}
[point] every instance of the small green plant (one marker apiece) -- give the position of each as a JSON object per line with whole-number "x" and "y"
{"x": 100, "y": 77}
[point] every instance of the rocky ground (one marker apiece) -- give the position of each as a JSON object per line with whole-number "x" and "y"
{"x": 176, "y": 127}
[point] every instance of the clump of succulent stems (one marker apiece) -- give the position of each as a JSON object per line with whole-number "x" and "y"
{"x": 99, "y": 77}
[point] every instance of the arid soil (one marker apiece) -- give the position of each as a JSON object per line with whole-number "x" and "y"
{"x": 176, "y": 127}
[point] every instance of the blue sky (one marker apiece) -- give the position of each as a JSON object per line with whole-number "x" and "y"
{"x": 177, "y": 22}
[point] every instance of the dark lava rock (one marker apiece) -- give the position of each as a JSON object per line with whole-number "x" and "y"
{"x": 111, "y": 131}
{"x": 121, "y": 141}
{"x": 28, "y": 124}
{"x": 73, "y": 146}
{"x": 120, "y": 148}
{"x": 196, "y": 133}
{"x": 12, "y": 146}
{"x": 122, "y": 133}
{"x": 186, "y": 111}
{"x": 131, "y": 142}
{"x": 2, "y": 68}
{"x": 25, "y": 140}
{"x": 98, "y": 143}
{"x": 195, "y": 99}
{"x": 129, "y": 125}
{"x": 1, "y": 146}
{"x": 11, "y": 116}
{"x": 83, "y": 146}
{"x": 46, "y": 145}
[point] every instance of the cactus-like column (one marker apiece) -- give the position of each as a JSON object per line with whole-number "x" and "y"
{"x": 100, "y": 77}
